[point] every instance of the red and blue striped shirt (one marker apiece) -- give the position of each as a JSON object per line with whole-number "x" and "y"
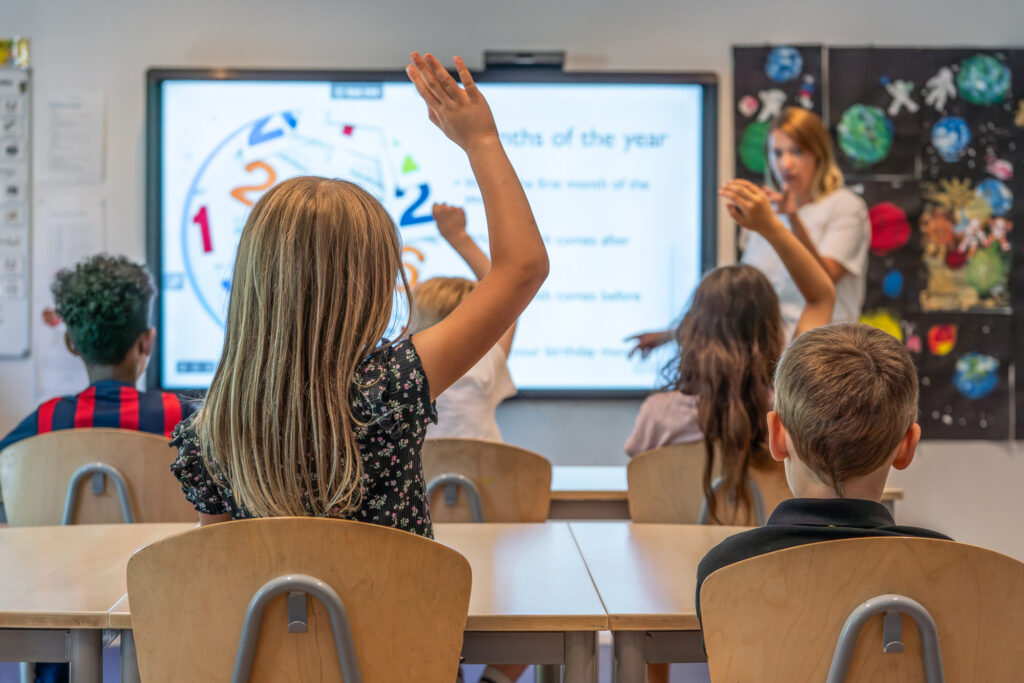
{"x": 107, "y": 403}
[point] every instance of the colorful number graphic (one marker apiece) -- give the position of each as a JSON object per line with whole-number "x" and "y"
{"x": 202, "y": 219}
{"x": 239, "y": 192}
{"x": 412, "y": 273}
{"x": 409, "y": 216}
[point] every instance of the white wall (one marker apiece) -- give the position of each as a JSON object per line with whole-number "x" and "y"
{"x": 967, "y": 489}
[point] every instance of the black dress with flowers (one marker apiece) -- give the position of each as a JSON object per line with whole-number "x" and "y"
{"x": 395, "y": 407}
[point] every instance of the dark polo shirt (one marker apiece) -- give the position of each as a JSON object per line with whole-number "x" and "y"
{"x": 799, "y": 521}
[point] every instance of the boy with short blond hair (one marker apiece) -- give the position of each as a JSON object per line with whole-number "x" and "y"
{"x": 845, "y": 412}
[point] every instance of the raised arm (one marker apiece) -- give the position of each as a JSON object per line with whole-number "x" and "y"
{"x": 519, "y": 260}
{"x": 786, "y": 204}
{"x": 749, "y": 206}
{"x": 451, "y": 223}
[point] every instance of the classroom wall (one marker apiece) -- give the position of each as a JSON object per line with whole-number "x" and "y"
{"x": 968, "y": 489}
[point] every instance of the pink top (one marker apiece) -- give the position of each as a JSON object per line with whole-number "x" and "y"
{"x": 665, "y": 418}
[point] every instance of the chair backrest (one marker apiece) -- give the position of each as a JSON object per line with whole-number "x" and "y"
{"x": 665, "y": 487}
{"x": 514, "y": 483}
{"x": 665, "y": 484}
{"x": 35, "y": 472}
{"x": 777, "y": 617}
{"x": 406, "y": 598}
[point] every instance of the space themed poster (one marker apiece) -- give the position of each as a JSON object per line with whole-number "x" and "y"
{"x": 928, "y": 137}
{"x": 767, "y": 79}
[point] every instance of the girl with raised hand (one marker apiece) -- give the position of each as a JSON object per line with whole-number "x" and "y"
{"x": 311, "y": 412}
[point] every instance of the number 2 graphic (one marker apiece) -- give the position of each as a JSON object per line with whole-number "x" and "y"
{"x": 239, "y": 192}
{"x": 409, "y": 217}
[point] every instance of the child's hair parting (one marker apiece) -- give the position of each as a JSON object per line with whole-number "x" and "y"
{"x": 847, "y": 394}
{"x": 314, "y": 284}
{"x": 729, "y": 342}
{"x": 808, "y": 131}
{"x": 434, "y": 299}
{"x": 105, "y": 301}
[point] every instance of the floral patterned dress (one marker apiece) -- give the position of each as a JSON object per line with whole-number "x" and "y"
{"x": 396, "y": 408}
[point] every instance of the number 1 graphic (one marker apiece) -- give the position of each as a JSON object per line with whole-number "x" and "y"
{"x": 203, "y": 221}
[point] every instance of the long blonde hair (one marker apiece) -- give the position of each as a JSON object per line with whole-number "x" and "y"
{"x": 809, "y": 133}
{"x": 311, "y": 297}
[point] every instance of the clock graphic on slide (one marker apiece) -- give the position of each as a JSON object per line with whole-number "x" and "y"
{"x": 273, "y": 148}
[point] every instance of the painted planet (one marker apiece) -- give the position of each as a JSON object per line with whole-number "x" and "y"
{"x": 892, "y": 284}
{"x": 941, "y": 339}
{"x": 865, "y": 134}
{"x": 950, "y": 137}
{"x": 884, "y": 320}
{"x": 976, "y": 375}
{"x": 784, "y": 64}
{"x": 997, "y": 194}
{"x": 983, "y": 80}
{"x": 987, "y": 269}
{"x": 890, "y": 228}
{"x": 752, "y": 146}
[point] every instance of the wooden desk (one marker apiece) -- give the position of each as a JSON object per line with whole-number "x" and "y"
{"x": 532, "y": 600}
{"x": 646, "y": 575}
{"x": 591, "y": 492}
{"x": 59, "y": 583}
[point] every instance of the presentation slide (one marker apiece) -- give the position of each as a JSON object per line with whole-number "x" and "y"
{"x": 613, "y": 173}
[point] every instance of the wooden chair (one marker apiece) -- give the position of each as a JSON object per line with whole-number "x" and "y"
{"x": 35, "y": 474}
{"x": 778, "y": 617}
{"x": 665, "y": 486}
{"x": 513, "y": 484}
{"x": 406, "y": 599}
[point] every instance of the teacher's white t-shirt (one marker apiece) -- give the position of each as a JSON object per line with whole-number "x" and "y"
{"x": 839, "y": 227}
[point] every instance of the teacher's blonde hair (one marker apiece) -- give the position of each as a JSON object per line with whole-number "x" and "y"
{"x": 311, "y": 298}
{"x": 808, "y": 131}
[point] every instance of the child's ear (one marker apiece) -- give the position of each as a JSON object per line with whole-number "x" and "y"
{"x": 146, "y": 341}
{"x": 777, "y": 437}
{"x": 907, "y": 448}
{"x": 71, "y": 346}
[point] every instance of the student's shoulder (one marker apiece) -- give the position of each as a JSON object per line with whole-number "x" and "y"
{"x": 918, "y": 532}
{"x": 669, "y": 401}
{"x": 741, "y": 546}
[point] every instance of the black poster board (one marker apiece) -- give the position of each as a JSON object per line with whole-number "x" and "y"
{"x": 929, "y": 138}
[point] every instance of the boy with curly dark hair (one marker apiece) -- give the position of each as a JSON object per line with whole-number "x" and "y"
{"x": 105, "y": 303}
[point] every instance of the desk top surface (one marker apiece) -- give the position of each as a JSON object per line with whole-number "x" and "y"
{"x": 646, "y": 574}
{"x": 526, "y": 577}
{"x": 69, "y": 576}
{"x": 608, "y": 482}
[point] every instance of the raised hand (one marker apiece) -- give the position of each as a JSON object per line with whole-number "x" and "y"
{"x": 451, "y": 221}
{"x": 461, "y": 112}
{"x": 749, "y": 205}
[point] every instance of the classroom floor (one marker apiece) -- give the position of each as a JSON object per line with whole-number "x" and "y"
{"x": 681, "y": 673}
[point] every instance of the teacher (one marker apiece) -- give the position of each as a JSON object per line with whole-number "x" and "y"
{"x": 806, "y": 188}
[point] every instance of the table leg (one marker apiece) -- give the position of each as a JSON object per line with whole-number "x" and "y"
{"x": 580, "y": 657}
{"x": 129, "y": 658}
{"x": 547, "y": 673}
{"x": 628, "y": 664}
{"x": 86, "y": 655}
{"x": 28, "y": 672}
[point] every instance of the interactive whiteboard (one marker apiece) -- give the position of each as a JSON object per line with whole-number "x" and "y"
{"x": 619, "y": 169}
